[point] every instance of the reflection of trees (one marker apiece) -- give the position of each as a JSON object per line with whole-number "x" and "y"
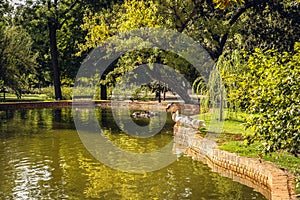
{"x": 33, "y": 159}
{"x": 56, "y": 118}
{"x": 30, "y": 121}
{"x": 36, "y": 159}
{"x": 62, "y": 118}
{"x": 106, "y": 120}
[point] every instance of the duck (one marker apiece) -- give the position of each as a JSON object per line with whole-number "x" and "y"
{"x": 136, "y": 114}
{"x": 181, "y": 119}
{"x": 196, "y": 123}
{"x": 187, "y": 121}
{"x": 144, "y": 114}
{"x": 176, "y": 116}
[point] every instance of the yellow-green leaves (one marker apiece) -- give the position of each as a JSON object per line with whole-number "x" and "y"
{"x": 132, "y": 14}
{"x": 223, "y": 4}
{"x": 266, "y": 84}
{"x": 272, "y": 84}
{"x": 139, "y": 14}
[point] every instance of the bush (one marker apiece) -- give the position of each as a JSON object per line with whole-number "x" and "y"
{"x": 67, "y": 92}
{"x": 49, "y": 92}
{"x": 272, "y": 84}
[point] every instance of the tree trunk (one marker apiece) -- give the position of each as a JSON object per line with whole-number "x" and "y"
{"x": 159, "y": 93}
{"x": 103, "y": 92}
{"x": 54, "y": 58}
{"x": 221, "y": 105}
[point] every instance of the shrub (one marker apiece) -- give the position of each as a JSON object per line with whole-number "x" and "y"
{"x": 67, "y": 92}
{"x": 49, "y": 92}
{"x": 272, "y": 84}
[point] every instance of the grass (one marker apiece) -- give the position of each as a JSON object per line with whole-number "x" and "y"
{"x": 25, "y": 97}
{"x": 233, "y": 123}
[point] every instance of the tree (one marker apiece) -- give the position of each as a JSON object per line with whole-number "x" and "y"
{"x": 267, "y": 24}
{"x": 217, "y": 30}
{"x": 17, "y": 61}
{"x": 120, "y": 18}
{"x": 276, "y": 26}
{"x": 43, "y": 19}
{"x": 56, "y": 17}
{"x": 247, "y": 25}
{"x": 54, "y": 26}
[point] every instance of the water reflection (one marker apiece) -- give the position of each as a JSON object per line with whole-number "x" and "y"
{"x": 42, "y": 157}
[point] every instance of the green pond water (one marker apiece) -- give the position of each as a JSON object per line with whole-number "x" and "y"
{"x": 42, "y": 157}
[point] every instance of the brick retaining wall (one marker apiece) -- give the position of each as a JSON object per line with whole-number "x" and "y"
{"x": 263, "y": 176}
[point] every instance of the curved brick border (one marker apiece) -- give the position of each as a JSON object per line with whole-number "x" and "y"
{"x": 263, "y": 176}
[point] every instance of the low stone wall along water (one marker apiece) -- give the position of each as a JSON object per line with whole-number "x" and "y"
{"x": 264, "y": 177}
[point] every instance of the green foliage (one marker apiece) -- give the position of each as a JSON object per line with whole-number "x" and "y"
{"x": 222, "y": 4}
{"x": 266, "y": 85}
{"x": 17, "y": 61}
{"x": 124, "y": 17}
{"x": 49, "y": 92}
{"x": 141, "y": 93}
{"x": 120, "y": 18}
{"x": 276, "y": 25}
{"x": 64, "y": 18}
{"x": 263, "y": 23}
{"x": 270, "y": 88}
{"x": 231, "y": 67}
{"x": 67, "y": 93}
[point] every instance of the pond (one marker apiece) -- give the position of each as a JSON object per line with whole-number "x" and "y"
{"x": 42, "y": 157}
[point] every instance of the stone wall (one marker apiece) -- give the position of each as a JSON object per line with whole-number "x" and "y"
{"x": 263, "y": 176}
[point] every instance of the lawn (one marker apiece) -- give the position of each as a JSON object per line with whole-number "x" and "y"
{"x": 25, "y": 97}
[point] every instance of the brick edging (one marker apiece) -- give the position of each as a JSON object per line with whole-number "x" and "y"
{"x": 263, "y": 176}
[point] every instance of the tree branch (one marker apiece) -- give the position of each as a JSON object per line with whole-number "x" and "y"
{"x": 66, "y": 12}
{"x": 232, "y": 21}
{"x": 191, "y": 16}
